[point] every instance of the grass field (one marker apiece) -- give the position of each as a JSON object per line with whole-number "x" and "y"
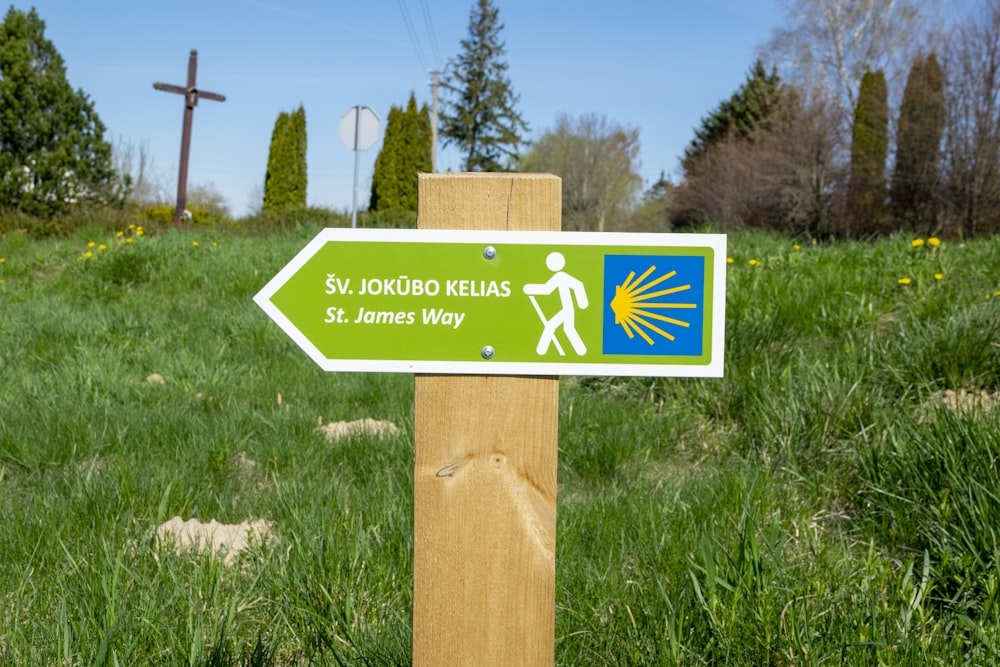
{"x": 834, "y": 499}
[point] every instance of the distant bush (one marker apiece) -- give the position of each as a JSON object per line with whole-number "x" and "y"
{"x": 68, "y": 223}
{"x": 291, "y": 219}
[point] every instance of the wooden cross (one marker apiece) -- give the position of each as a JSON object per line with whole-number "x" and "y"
{"x": 192, "y": 95}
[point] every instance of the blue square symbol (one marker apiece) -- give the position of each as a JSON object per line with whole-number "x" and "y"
{"x": 654, "y": 305}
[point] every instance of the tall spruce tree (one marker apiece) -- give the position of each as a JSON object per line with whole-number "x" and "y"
{"x": 740, "y": 116}
{"x": 286, "y": 179}
{"x": 915, "y": 187}
{"x": 479, "y": 115}
{"x": 52, "y": 148}
{"x": 406, "y": 151}
{"x": 866, "y": 190}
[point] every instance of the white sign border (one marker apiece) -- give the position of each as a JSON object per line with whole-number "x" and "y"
{"x": 717, "y": 242}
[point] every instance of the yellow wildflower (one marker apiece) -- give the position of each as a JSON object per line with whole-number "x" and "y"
{"x": 934, "y": 241}
{"x": 88, "y": 254}
{"x": 194, "y": 243}
{"x": 2, "y": 260}
{"x": 916, "y": 243}
{"x": 129, "y": 240}
{"x": 91, "y": 244}
{"x": 754, "y": 262}
{"x": 938, "y": 276}
{"x": 796, "y": 246}
{"x": 215, "y": 244}
{"x": 139, "y": 232}
{"x": 729, "y": 260}
{"x": 102, "y": 247}
{"x": 904, "y": 281}
{"x": 132, "y": 226}
{"x": 119, "y": 234}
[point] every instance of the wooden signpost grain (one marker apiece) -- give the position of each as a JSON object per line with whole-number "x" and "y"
{"x": 485, "y": 469}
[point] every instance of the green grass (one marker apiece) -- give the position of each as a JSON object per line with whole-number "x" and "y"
{"x": 819, "y": 505}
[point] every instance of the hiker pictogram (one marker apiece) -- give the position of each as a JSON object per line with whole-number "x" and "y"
{"x": 572, "y": 294}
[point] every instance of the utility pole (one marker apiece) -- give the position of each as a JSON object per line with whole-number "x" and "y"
{"x": 434, "y": 120}
{"x": 191, "y": 95}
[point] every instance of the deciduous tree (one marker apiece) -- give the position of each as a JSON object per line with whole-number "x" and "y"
{"x": 829, "y": 44}
{"x": 783, "y": 179}
{"x": 52, "y": 148}
{"x": 598, "y": 162}
{"x": 479, "y": 113}
{"x": 972, "y": 131}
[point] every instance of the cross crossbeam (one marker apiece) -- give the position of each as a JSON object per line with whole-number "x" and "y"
{"x": 191, "y": 95}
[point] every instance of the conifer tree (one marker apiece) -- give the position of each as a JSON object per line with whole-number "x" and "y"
{"x": 866, "y": 190}
{"x": 406, "y": 152}
{"x": 915, "y": 179}
{"x": 286, "y": 179}
{"x": 479, "y": 115}
{"x": 739, "y": 116}
{"x": 52, "y": 148}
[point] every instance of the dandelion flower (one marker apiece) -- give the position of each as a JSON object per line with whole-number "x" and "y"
{"x": 916, "y": 243}
{"x": 119, "y": 234}
{"x": 796, "y": 246}
{"x": 2, "y": 260}
{"x": 102, "y": 247}
{"x": 729, "y": 260}
{"x": 91, "y": 244}
{"x": 194, "y": 243}
{"x": 904, "y": 281}
{"x": 132, "y": 226}
{"x": 215, "y": 244}
{"x": 129, "y": 240}
{"x": 88, "y": 254}
{"x": 938, "y": 276}
{"x": 997, "y": 293}
{"x": 754, "y": 262}
{"x": 934, "y": 241}
{"x": 139, "y": 232}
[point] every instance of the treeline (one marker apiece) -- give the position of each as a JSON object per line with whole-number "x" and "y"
{"x": 811, "y": 154}
{"x": 881, "y": 117}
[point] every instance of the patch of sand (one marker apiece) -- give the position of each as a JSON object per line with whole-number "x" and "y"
{"x": 367, "y": 426}
{"x": 965, "y": 400}
{"x": 213, "y": 538}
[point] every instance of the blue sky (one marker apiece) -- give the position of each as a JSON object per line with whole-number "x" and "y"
{"x": 656, "y": 65}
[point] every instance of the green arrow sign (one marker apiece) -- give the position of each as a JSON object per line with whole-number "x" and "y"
{"x": 513, "y": 303}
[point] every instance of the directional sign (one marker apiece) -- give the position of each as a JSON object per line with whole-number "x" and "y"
{"x": 512, "y": 303}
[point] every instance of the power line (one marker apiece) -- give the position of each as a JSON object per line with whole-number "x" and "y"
{"x": 412, "y": 33}
{"x": 430, "y": 32}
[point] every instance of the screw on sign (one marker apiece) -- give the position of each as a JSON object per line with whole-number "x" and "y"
{"x": 505, "y": 302}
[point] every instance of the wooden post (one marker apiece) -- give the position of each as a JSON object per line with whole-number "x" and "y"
{"x": 484, "y": 516}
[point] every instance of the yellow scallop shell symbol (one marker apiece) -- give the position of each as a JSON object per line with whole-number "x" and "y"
{"x": 634, "y": 305}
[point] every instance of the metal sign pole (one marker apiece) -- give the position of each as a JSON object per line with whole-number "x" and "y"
{"x": 357, "y": 165}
